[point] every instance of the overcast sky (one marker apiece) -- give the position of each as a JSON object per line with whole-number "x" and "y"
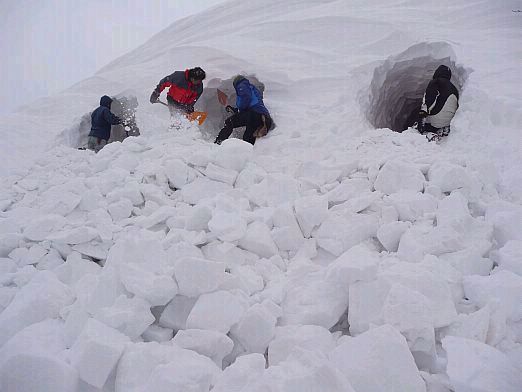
{"x": 48, "y": 45}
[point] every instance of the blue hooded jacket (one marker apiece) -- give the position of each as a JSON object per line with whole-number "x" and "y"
{"x": 249, "y": 97}
{"x": 102, "y": 119}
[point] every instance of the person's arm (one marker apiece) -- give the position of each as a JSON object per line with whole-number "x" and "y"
{"x": 430, "y": 97}
{"x": 111, "y": 118}
{"x": 243, "y": 96}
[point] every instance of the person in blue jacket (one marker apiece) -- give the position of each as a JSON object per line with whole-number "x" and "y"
{"x": 101, "y": 121}
{"x": 250, "y": 112}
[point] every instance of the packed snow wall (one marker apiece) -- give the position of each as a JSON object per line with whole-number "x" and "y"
{"x": 398, "y": 85}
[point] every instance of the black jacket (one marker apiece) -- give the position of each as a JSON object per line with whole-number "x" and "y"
{"x": 102, "y": 119}
{"x": 438, "y": 91}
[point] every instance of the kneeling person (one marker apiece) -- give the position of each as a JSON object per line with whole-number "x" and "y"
{"x": 250, "y": 112}
{"x": 441, "y": 101}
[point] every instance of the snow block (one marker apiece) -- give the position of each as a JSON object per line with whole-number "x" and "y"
{"x": 365, "y": 305}
{"x": 228, "y": 226}
{"x": 212, "y": 344}
{"x": 339, "y": 233}
{"x": 176, "y": 312}
{"x": 389, "y": 234}
{"x": 198, "y": 218}
{"x": 164, "y": 368}
{"x": 448, "y": 176}
{"x": 74, "y": 236}
{"x": 197, "y": 276}
{"x": 396, "y": 176}
{"x": 504, "y": 286}
{"x": 357, "y": 263}
{"x": 256, "y": 328}
{"x": 218, "y": 173}
{"x": 41, "y": 227}
{"x": 155, "y": 333}
{"x": 378, "y": 361}
{"x": 258, "y": 240}
{"x": 96, "y": 352}
{"x": 237, "y": 376}
{"x": 509, "y": 257}
{"x": 201, "y": 189}
{"x": 37, "y": 372}
{"x": 120, "y": 210}
{"x": 217, "y": 311}
{"x": 348, "y": 189}
{"x": 131, "y": 316}
{"x": 308, "y": 337}
{"x": 311, "y": 211}
{"x": 477, "y": 367}
{"x": 410, "y": 205}
{"x": 233, "y": 154}
{"x": 43, "y": 297}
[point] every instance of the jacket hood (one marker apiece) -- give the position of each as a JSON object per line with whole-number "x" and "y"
{"x": 106, "y": 101}
{"x": 238, "y": 79}
{"x": 442, "y": 72}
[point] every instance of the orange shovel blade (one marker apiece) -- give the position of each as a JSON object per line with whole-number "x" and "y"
{"x": 200, "y": 117}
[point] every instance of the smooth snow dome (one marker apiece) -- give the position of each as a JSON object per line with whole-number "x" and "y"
{"x": 332, "y": 255}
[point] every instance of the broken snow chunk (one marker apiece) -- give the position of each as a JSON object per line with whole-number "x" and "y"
{"x": 155, "y": 288}
{"x": 212, "y": 344}
{"x": 217, "y": 311}
{"x": 176, "y": 312}
{"x": 397, "y": 175}
{"x": 233, "y": 154}
{"x": 179, "y": 173}
{"x": 509, "y": 257}
{"x": 74, "y": 236}
{"x": 197, "y": 276}
{"x": 218, "y": 173}
{"x": 41, "y": 227}
{"x": 448, "y": 176}
{"x": 311, "y": 211}
{"x": 356, "y": 264}
{"x": 487, "y": 369}
{"x": 365, "y": 361}
{"x": 258, "y": 240}
{"x": 411, "y": 205}
{"x": 228, "y": 226}
{"x": 120, "y": 210}
{"x": 155, "y": 333}
{"x": 203, "y": 188}
{"x": 389, "y": 234}
{"x": 96, "y": 352}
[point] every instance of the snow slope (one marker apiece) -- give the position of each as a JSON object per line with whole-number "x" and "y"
{"x": 332, "y": 256}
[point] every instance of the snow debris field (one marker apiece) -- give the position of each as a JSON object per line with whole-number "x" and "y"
{"x": 334, "y": 255}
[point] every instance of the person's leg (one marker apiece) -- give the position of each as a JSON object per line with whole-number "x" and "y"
{"x": 237, "y": 120}
{"x": 91, "y": 143}
{"x": 254, "y": 121}
{"x": 95, "y": 143}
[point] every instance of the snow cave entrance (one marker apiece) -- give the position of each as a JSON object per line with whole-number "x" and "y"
{"x": 398, "y": 85}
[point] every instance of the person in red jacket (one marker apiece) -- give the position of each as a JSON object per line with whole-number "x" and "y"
{"x": 185, "y": 88}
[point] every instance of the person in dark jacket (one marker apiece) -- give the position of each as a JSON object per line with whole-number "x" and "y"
{"x": 101, "y": 121}
{"x": 440, "y": 102}
{"x": 185, "y": 88}
{"x": 250, "y": 112}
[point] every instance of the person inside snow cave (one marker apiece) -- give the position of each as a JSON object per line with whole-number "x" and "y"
{"x": 101, "y": 121}
{"x": 440, "y": 102}
{"x": 250, "y": 112}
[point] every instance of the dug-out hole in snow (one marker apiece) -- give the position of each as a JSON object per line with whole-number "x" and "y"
{"x": 398, "y": 85}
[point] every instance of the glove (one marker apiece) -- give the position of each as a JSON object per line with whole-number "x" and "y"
{"x": 189, "y": 109}
{"x": 231, "y": 109}
{"x": 154, "y": 97}
{"x": 423, "y": 114}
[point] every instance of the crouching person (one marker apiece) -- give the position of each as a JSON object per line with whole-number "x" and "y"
{"x": 250, "y": 112}
{"x": 441, "y": 101}
{"x": 101, "y": 121}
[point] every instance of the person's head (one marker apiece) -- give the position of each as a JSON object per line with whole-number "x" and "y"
{"x": 196, "y": 75}
{"x": 106, "y": 101}
{"x": 442, "y": 71}
{"x": 238, "y": 79}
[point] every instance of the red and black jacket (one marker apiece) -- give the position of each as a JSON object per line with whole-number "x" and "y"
{"x": 181, "y": 89}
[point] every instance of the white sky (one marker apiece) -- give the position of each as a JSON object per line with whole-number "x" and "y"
{"x": 48, "y": 45}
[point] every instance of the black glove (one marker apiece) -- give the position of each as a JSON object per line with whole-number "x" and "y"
{"x": 189, "y": 108}
{"x": 231, "y": 109}
{"x": 423, "y": 114}
{"x": 154, "y": 97}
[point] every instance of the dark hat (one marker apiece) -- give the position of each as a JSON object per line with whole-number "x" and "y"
{"x": 197, "y": 73}
{"x": 442, "y": 71}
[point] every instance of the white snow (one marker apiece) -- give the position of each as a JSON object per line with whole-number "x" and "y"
{"x": 353, "y": 258}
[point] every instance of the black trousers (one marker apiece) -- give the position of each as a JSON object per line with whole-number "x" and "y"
{"x": 252, "y": 120}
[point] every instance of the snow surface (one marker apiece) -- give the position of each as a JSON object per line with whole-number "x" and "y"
{"x": 331, "y": 256}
